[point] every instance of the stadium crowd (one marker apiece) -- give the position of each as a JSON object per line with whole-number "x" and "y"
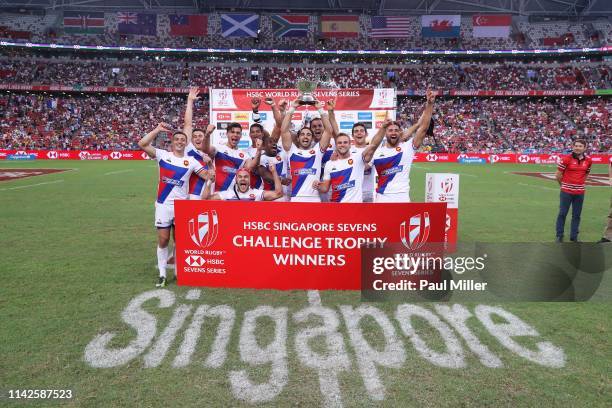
{"x": 475, "y": 125}
{"x": 465, "y": 75}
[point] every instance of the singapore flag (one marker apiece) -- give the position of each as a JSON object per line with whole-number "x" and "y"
{"x": 492, "y": 25}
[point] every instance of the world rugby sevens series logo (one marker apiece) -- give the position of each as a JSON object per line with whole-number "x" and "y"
{"x": 204, "y": 228}
{"x": 418, "y": 231}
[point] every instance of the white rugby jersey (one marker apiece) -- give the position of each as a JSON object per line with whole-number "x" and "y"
{"x": 227, "y": 163}
{"x": 392, "y": 166}
{"x": 369, "y": 174}
{"x": 235, "y": 195}
{"x": 196, "y": 184}
{"x": 346, "y": 179}
{"x": 304, "y": 168}
{"x": 174, "y": 175}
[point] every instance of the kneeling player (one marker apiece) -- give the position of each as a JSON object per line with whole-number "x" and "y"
{"x": 174, "y": 171}
{"x": 242, "y": 190}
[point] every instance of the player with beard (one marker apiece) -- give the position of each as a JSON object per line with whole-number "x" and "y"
{"x": 175, "y": 168}
{"x": 393, "y": 159}
{"x": 272, "y": 156}
{"x": 242, "y": 191}
{"x": 345, "y": 173}
{"x": 305, "y": 155}
{"x": 228, "y": 159}
{"x": 195, "y": 144}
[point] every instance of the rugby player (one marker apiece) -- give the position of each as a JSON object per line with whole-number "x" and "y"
{"x": 360, "y": 134}
{"x": 175, "y": 168}
{"x": 345, "y": 174}
{"x": 228, "y": 158}
{"x": 195, "y": 144}
{"x": 393, "y": 159}
{"x": 242, "y": 190}
{"x": 272, "y": 156}
{"x": 305, "y": 155}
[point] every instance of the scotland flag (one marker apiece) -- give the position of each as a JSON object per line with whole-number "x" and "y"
{"x": 239, "y": 25}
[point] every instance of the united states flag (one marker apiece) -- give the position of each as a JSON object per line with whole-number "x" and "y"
{"x": 390, "y": 27}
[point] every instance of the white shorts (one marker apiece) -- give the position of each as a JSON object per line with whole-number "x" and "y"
{"x": 164, "y": 215}
{"x": 306, "y": 199}
{"x": 368, "y": 197}
{"x": 392, "y": 198}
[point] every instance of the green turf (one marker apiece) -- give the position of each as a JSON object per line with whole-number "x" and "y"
{"x": 74, "y": 253}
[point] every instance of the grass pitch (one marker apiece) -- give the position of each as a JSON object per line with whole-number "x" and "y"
{"x": 78, "y": 246}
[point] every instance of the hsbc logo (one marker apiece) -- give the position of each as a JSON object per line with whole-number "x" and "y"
{"x": 447, "y": 226}
{"x": 418, "y": 231}
{"x": 52, "y": 154}
{"x": 523, "y": 158}
{"x": 204, "y": 228}
{"x": 494, "y": 158}
{"x": 83, "y": 155}
{"x": 194, "y": 260}
{"x": 447, "y": 185}
{"x": 144, "y": 156}
{"x": 432, "y": 157}
{"x": 115, "y": 155}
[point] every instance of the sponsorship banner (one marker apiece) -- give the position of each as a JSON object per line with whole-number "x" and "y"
{"x": 94, "y": 89}
{"x": 77, "y": 154}
{"x": 225, "y": 118}
{"x": 220, "y": 244}
{"x": 352, "y": 105}
{"x": 444, "y": 188}
{"x": 248, "y": 51}
{"x": 497, "y": 92}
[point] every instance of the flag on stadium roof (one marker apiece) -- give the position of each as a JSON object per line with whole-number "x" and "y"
{"x": 440, "y": 25}
{"x": 239, "y": 25}
{"x": 83, "y": 22}
{"x": 390, "y": 27}
{"x": 340, "y": 26}
{"x": 188, "y": 25}
{"x": 290, "y": 25}
{"x": 491, "y": 25}
{"x": 137, "y": 23}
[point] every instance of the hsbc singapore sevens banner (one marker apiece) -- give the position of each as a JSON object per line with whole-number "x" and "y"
{"x": 352, "y": 105}
{"x": 276, "y": 245}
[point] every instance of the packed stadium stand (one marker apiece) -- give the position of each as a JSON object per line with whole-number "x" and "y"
{"x": 77, "y": 118}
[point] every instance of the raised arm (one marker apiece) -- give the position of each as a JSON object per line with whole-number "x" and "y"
{"x": 252, "y": 163}
{"x": 330, "y": 106}
{"x": 368, "y": 152}
{"x": 206, "y": 146}
{"x": 408, "y": 132}
{"x": 255, "y": 102}
{"x": 278, "y": 187}
{"x": 422, "y": 130}
{"x": 328, "y": 131}
{"x": 286, "y": 126}
{"x": 188, "y": 120}
{"x": 145, "y": 142}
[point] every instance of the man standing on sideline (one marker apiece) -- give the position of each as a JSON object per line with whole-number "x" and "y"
{"x": 607, "y": 236}
{"x": 572, "y": 173}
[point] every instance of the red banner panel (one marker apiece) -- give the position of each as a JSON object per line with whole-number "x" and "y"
{"x": 286, "y": 246}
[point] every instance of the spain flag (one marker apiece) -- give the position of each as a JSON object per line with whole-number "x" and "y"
{"x": 336, "y": 26}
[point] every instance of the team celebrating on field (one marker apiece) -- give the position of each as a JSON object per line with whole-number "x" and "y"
{"x": 316, "y": 163}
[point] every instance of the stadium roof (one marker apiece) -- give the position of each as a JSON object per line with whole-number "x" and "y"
{"x": 569, "y": 8}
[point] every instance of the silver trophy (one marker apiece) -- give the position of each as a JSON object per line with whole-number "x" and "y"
{"x": 306, "y": 87}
